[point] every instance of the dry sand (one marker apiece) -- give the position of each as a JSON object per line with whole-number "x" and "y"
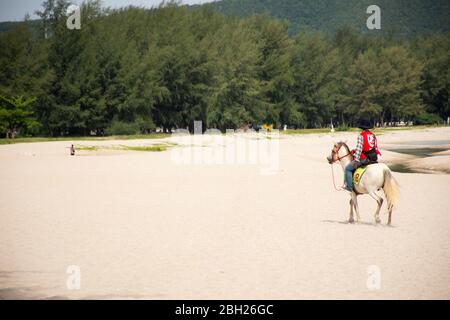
{"x": 139, "y": 226}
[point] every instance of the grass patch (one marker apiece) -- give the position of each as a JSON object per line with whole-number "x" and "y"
{"x": 152, "y": 148}
{"x": 88, "y": 138}
{"x": 160, "y": 147}
{"x": 86, "y": 148}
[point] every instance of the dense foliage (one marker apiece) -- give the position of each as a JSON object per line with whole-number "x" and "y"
{"x": 403, "y": 17}
{"x": 132, "y": 70}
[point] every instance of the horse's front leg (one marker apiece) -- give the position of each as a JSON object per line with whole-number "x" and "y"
{"x": 355, "y": 204}
{"x": 351, "y": 220}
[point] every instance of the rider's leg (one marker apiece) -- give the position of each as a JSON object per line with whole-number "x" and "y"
{"x": 350, "y": 168}
{"x": 349, "y": 176}
{"x": 363, "y": 162}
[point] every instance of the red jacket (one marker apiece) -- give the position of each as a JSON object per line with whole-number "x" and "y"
{"x": 369, "y": 142}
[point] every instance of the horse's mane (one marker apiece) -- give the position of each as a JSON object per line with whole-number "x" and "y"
{"x": 344, "y": 144}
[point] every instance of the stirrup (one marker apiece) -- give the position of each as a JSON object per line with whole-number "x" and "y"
{"x": 344, "y": 188}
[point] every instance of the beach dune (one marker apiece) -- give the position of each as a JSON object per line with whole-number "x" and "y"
{"x": 135, "y": 225}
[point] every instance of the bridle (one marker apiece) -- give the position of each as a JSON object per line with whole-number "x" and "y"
{"x": 336, "y": 153}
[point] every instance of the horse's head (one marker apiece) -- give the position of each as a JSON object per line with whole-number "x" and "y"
{"x": 340, "y": 150}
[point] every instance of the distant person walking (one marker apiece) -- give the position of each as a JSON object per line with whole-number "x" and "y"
{"x": 72, "y": 150}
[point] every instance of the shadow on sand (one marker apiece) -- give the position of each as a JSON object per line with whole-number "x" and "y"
{"x": 370, "y": 224}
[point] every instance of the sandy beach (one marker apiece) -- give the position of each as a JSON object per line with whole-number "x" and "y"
{"x": 140, "y": 226}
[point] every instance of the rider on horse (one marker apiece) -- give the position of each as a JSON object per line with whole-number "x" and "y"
{"x": 366, "y": 152}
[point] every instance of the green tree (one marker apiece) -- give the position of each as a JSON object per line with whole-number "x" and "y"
{"x": 23, "y": 68}
{"x": 434, "y": 53}
{"x": 16, "y": 115}
{"x": 133, "y": 69}
{"x": 384, "y": 86}
{"x": 315, "y": 64}
{"x": 238, "y": 99}
{"x": 274, "y": 69}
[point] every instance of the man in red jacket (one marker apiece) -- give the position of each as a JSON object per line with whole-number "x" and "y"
{"x": 366, "y": 152}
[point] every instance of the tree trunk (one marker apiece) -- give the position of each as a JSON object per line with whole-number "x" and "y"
{"x": 11, "y": 134}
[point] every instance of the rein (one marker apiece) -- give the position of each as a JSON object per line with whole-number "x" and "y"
{"x": 339, "y": 158}
{"x": 334, "y": 182}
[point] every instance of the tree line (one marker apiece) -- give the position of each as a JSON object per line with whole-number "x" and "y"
{"x": 132, "y": 70}
{"x": 404, "y": 17}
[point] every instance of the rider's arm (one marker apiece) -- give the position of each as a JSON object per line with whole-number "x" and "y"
{"x": 359, "y": 147}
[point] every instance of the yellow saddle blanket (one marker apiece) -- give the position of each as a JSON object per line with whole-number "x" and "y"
{"x": 357, "y": 175}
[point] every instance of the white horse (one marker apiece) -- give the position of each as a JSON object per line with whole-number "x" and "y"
{"x": 377, "y": 176}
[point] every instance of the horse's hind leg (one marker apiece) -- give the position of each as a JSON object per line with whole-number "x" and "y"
{"x": 390, "y": 217}
{"x": 379, "y": 200}
{"x": 351, "y": 220}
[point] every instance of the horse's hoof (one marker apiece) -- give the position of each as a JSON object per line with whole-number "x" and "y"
{"x": 378, "y": 221}
{"x": 351, "y": 221}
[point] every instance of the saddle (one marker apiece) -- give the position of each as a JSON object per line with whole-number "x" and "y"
{"x": 359, "y": 172}
{"x": 357, "y": 175}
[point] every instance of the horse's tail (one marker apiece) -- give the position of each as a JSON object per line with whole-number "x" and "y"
{"x": 391, "y": 189}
